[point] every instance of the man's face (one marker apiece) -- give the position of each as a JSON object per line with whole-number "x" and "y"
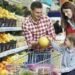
{"x": 36, "y": 13}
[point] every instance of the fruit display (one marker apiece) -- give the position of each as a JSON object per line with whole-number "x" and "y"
{"x": 20, "y": 19}
{"x": 43, "y": 42}
{"x": 4, "y": 72}
{"x": 19, "y": 57}
{"x": 6, "y": 14}
{"x": 20, "y": 41}
{"x": 9, "y": 64}
{"x": 7, "y": 19}
{"x": 1, "y": 66}
{"x": 7, "y": 41}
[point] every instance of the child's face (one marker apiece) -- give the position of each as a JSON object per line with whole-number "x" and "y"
{"x": 68, "y": 43}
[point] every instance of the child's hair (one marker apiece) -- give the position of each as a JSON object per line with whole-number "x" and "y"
{"x": 71, "y": 38}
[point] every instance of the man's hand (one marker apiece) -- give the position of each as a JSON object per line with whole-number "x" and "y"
{"x": 34, "y": 44}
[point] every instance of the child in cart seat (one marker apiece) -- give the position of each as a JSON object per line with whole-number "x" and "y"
{"x": 68, "y": 55}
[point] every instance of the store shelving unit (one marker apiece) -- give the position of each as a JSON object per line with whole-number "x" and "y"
{"x": 12, "y": 51}
{"x": 4, "y": 29}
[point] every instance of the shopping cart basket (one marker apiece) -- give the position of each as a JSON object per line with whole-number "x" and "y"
{"x": 37, "y": 56}
{"x": 44, "y": 59}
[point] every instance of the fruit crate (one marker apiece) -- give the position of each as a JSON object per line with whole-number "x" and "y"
{"x": 4, "y": 22}
{"x": 7, "y": 46}
{"x": 10, "y": 23}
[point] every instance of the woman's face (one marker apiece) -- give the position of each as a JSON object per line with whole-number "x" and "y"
{"x": 68, "y": 13}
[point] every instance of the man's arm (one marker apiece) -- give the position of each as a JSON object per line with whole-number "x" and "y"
{"x": 27, "y": 34}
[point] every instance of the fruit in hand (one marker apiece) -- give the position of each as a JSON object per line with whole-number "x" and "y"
{"x": 43, "y": 42}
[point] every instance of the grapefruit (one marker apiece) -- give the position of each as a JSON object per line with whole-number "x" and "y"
{"x": 43, "y": 42}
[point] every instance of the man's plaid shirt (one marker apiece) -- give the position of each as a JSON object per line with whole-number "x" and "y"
{"x": 32, "y": 30}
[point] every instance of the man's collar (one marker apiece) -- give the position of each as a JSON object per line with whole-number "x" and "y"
{"x": 35, "y": 22}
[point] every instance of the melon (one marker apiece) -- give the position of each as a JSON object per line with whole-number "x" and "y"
{"x": 43, "y": 42}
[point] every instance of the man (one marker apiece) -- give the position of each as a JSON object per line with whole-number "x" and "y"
{"x": 35, "y": 26}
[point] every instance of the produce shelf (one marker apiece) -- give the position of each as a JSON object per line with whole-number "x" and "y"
{"x": 12, "y": 51}
{"x": 4, "y": 29}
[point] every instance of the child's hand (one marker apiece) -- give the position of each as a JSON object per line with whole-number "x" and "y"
{"x": 56, "y": 70}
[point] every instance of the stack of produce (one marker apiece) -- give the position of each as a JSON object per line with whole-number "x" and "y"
{"x": 7, "y": 19}
{"x": 9, "y": 63}
{"x": 7, "y": 41}
{"x": 20, "y": 41}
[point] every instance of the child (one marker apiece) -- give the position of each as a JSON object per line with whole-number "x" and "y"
{"x": 68, "y": 55}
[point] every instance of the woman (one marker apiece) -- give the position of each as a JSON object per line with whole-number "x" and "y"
{"x": 68, "y": 17}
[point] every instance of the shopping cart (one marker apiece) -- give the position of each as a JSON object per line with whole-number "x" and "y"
{"x": 39, "y": 56}
{"x": 44, "y": 58}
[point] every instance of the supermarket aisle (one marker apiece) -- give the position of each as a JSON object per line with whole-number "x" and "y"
{"x": 13, "y": 45}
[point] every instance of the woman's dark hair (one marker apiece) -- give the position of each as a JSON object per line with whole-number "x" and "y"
{"x": 71, "y": 38}
{"x": 67, "y": 5}
{"x": 36, "y": 4}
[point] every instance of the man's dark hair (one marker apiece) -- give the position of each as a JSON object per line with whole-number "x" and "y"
{"x": 36, "y": 4}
